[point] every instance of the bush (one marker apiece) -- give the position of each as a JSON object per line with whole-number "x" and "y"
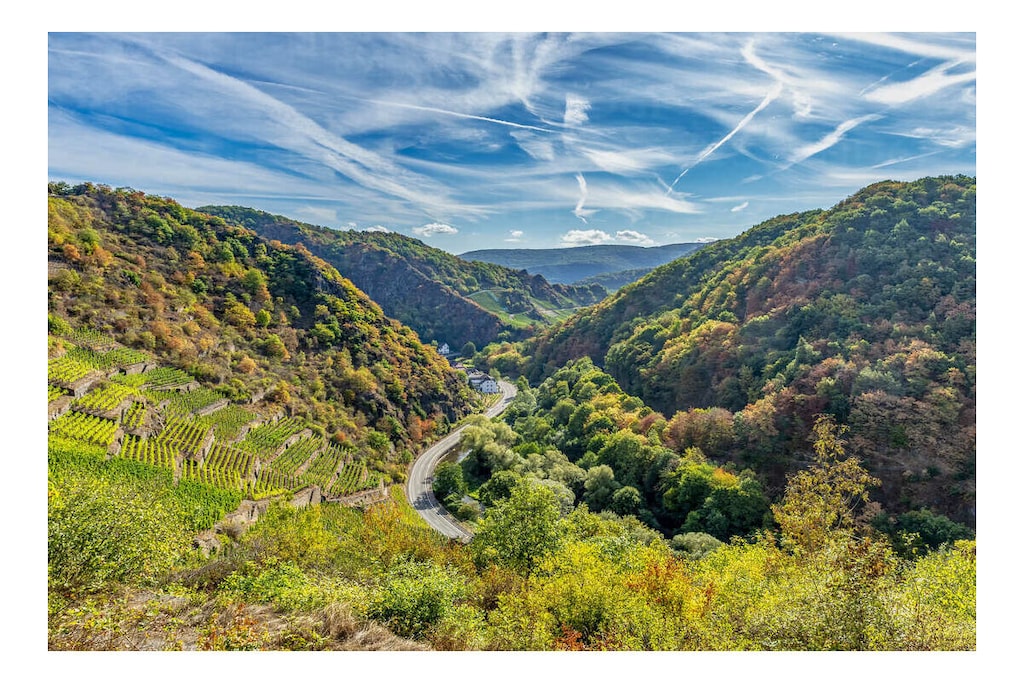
{"x": 101, "y": 532}
{"x": 415, "y": 596}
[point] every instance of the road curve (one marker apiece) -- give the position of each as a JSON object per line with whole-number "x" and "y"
{"x": 420, "y": 486}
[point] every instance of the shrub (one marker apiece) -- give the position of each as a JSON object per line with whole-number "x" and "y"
{"x": 101, "y": 532}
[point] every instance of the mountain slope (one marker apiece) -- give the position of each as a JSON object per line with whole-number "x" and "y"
{"x": 865, "y": 311}
{"x": 439, "y": 295}
{"x": 573, "y": 264}
{"x": 254, "y": 319}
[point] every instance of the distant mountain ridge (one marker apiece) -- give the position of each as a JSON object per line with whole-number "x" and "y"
{"x": 440, "y": 296}
{"x": 573, "y": 264}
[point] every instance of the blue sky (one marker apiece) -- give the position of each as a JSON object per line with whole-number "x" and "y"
{"x": 487, "y": 140}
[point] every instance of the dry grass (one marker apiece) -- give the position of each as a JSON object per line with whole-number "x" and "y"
{"x": 147, "y": 621}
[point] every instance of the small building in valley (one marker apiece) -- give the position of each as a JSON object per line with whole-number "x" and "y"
{"x": 485, "y": 384}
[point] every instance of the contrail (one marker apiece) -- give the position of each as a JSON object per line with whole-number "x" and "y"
{"x": 710, "y": 149}
{"x": 458, "y": 114}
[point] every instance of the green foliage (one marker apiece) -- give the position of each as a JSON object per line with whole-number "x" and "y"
{"x": 694, "y": 544}
{"x": 414, "y": 282}
{"x": 205, "y": 294}
{"x": 285, "y": 586}
{"x": 414, "y": 596}
{"x": 865, "y": 311}
{"x": 517, "y": 532}
{"x": 919, "y": 531}
{"x": 824, "y": 498}
{"x": 448, "y": 481}
{"x": 100, "y": 532}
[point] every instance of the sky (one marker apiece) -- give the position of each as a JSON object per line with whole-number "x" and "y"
{"x": 478, "y": 140}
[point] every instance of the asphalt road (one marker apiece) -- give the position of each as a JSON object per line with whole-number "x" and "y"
{"x": 419, "y": 487}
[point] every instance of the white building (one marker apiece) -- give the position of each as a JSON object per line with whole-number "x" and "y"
{"x": 483, "y": 383}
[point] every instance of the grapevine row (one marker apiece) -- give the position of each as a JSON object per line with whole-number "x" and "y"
{"x": 83, "y": 427}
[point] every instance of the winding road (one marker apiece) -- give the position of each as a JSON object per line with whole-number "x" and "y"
{"x": 419, "y": 488}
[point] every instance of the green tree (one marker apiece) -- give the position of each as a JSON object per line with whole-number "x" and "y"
{"x": 599, "y": 487}
{"x": 275, "y": 348}
{"x": 517, "y": 532}
{"x": 239, "y": 315}
{"x": 498, "y": 487}
{"x": 448, "y": 481}
{"x": 626, "y": 501}
{"x": 825, "y": 497}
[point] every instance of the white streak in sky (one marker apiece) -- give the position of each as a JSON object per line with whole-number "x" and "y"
{"x": 928, "y": 83}
{"x": 829, "y": 140}
{"x": 300, "y": 134}
{"x": 710, "y": 149}
{"x": 579, "y": 211}
{"x": 460, "y": 115}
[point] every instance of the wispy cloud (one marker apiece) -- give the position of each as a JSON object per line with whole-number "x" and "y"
{"x": 829, "y": 140}
{"x": 462, "y": 115}
{"x": 579, "y": 211}
{"x": 376, "y": 228}
{"x": 536, "y": 146}
{"x": 431, "y": 229}
{"x": 491, "y": 129}
{"x": 925, "y": 85}
{"x": 514, "y": 236}
{"x": 710, "y": 149}
{"x": 321, "y": 215}
{"x": 288, "y": 128}
{"x": 627, "y": 162}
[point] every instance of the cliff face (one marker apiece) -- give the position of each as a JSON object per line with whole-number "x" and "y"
{"x": 433, "y": 309}
{"x": 428, "y": 289}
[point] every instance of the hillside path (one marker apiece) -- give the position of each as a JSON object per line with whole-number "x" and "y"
{"x": 420, "y": 487}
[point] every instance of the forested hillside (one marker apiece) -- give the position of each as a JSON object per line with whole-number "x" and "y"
{"x": 252, "y": 318}
{"x": 575, "y": 264}
{"x": 441, "y": 296}
{"x": 865, "y": 312}
{"x": 216, "y": 397}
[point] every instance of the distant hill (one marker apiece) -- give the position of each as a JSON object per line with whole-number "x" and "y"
{"x": 617, "y": 280}
{"x": 441, "y": 296}
{"x": 865, "y": 311}
{"x": 573, "y": 264}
